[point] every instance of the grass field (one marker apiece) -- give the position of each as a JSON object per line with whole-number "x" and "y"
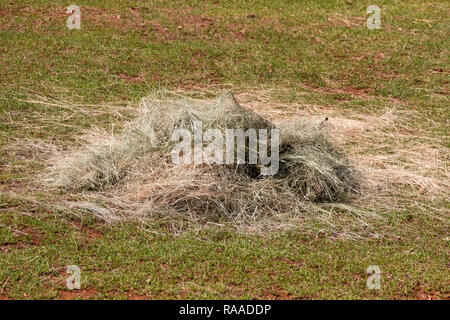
{"x": 385, "y": 91}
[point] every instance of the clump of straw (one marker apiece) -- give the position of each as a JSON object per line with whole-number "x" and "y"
{"x": 134, "y": 170}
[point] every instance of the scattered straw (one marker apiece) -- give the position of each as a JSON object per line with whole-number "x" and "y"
{"x": 116, "y": 175}
{"x": 133, "y": 171}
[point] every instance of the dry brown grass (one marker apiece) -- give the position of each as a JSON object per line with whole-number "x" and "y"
{"x": 131, "y": 174}
{"x": 403, "y": 164}
{"x": 403, "y": 168}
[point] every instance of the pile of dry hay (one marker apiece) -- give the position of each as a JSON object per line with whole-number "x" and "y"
{"x": 133, "y": 173}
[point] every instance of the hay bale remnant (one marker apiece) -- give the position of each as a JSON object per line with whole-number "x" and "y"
{"x": 134, "y": 169}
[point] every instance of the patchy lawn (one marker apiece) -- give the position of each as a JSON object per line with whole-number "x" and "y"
{"x": 385, "y": 92}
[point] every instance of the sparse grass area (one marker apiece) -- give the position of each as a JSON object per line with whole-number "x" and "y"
{"x": 130, "y": 262}
{"x": 308, "y": 57}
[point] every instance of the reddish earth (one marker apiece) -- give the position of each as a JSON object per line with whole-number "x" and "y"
{"x": 421, "y": 294}
{"x": 88, "y": 293}
{"x": 178, "y": 23}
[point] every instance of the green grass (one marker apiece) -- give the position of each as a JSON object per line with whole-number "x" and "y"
{"x": 130, "y": 262}
{"x": 317, "y": 52}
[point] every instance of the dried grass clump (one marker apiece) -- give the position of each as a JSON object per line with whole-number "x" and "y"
{"x": 134, "y": 173}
